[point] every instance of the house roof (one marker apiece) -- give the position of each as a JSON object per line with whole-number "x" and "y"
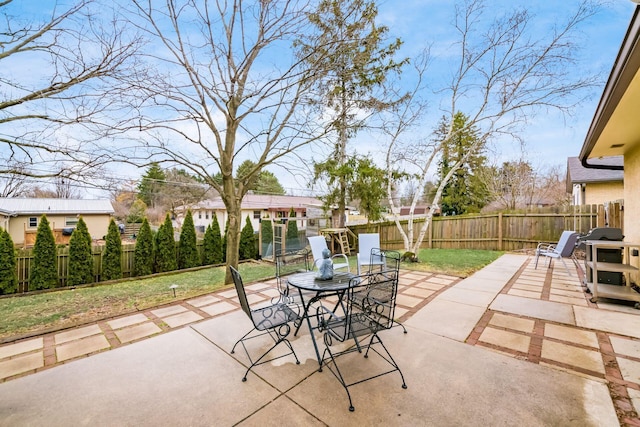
{"x": 262, "y": 201}
{"x": 578, "y": 174}
{"x": 615, "y": 125}
{"x": 17, "y": 206}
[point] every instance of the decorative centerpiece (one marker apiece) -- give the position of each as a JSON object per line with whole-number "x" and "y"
{"x": 325, "y": 269}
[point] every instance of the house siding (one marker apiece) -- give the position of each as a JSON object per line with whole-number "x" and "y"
{"x": 97, "y": 224}
{"x": 631, "y": 192}
{"x": 597, "y": 193}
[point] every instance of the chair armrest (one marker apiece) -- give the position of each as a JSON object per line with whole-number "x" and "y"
{"x": 346, "y": 260}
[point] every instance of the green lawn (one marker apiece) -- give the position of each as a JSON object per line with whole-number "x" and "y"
{"x": 42, "y": 312}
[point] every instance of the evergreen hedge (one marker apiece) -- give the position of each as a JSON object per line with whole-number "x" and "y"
{"x": 166, "y": 247}
{"x": 44, "y": 269}
{"x": 143, "y": 252}
{"x": 8, "y": 274}
{"x": 80, "y": 256}
{"x": 187, "y": 250}
{"x": 112, "y": 255}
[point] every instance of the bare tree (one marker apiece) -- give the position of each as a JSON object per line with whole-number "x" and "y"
{"x": 504, "y": 73}
{"x": 227, "y": 88}
{"x": 512, "y": 185}
{"x": 73, "y": 58}
{"x": 13, "y": 185}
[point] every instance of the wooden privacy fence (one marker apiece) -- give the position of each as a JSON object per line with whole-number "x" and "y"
{"x": 499, "y": 231}
{"x": 25, "y": 257}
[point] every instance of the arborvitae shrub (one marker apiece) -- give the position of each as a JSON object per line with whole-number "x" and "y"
{"x": 44, "y": 268}
{"x": 187, "y": 251}
{"x": 143, "y": 253}
{"x": 80, "y": 256}
{"x": 248, "y": 242}
{"x": 8, "y": 274}
{"x": 112, "y": 255}
{"x": 166, "y": 247}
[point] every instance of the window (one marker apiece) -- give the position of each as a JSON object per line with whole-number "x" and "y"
{"x": 70, "y": 221}
{"x": 199, "y": 215}
{"x": 256, "y": 214}
{"x": 206, "y": 215}
{"x": 33, "y": 222}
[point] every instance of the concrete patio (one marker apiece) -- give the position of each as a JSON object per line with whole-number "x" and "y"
{"x": 509, "y": 345}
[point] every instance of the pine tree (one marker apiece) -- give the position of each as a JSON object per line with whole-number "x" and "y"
{"x": 8, "y": 274}
{"x": 248, "y": 242}
{"x": 80, "y": 256}
{"x": 166, "y": 247}
{"x": 44, "y": 269}
{"x": 188, "y": 252}
{"x": 207, "y": 246}
{"x": 465, "y": 191}
{"x": 112, "y": 255}
{"x": 143, "y": 253}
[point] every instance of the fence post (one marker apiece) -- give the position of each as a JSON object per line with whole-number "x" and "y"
{"x": 500, "y": 243}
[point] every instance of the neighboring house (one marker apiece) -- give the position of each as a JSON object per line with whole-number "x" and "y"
{"x": 615, "y": 129}
{"x": 254, "y": 206}
{"x": 590, "y": 186}
{"x": 20, "y": 217}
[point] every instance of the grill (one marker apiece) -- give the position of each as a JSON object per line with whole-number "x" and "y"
{"x": 604, "y": 255}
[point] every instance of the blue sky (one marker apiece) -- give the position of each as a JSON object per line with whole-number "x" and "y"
{"x": 549, "y": 138}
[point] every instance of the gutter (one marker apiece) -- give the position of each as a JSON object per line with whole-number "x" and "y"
{"x": 624, "y": 70}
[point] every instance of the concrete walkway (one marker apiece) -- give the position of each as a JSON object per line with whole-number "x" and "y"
{"x": 509, "y": 345}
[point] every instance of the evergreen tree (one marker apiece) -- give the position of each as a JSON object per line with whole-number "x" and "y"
{"x": 112, "y": 255}
{"x": 44, "y": 269}
{"x": 143, "y": 254}
{"x": 466, "y": 191}
{"x": 8, "y": 273}
{"x": 353, "y": 54}
{"x": 266, "y": 228}
{"x": 188, "y": 252}
{"x": 248, "y": 242}
{"x": 166, "y": 259}
{"x": 80, "y": 256}
{"x": 224, "y": 242}
{"x": 212, "y": 245}
{"x": 151, "y": 185}
{"x": 292, "y": 231}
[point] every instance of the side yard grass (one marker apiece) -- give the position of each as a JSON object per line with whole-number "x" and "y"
{"x": 42, "y": 312}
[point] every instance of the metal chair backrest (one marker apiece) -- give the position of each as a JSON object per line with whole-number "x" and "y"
{"x": 370, "y": 305}
{"x": 242, "y": 296}
{"x": 390, "y": 259}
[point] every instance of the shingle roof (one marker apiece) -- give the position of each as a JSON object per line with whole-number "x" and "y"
{"x": 261, "y": 201}
{"x": 14, "y": 206}
{"x": 577, "y": 174}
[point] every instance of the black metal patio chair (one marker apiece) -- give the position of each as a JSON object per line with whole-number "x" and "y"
{"x": 272, "y": 320}
{"x": 369, "y": 309}
{"x": 288, "y": 263}
{"x": 383, "y": 260}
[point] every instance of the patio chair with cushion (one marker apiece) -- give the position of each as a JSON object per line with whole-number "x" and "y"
{"x": 272, "y": 320}
{"x": 319, "y": 244}
{"x": 366, "y": 242}
{"x": 368, "y": 309}
{"x": 563, "y": 249}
